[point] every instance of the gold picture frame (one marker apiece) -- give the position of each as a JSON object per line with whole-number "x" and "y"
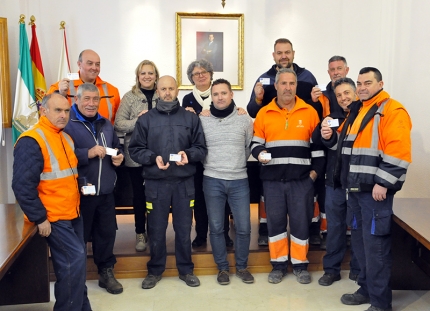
{"x": 196, "y": 32}
{"x": 5, "y": 96}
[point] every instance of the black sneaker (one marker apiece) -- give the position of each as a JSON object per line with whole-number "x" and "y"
{"x": 245, "y": 276}
{"x": 223, "y": 277}
{"x": 354, "y": 299}
{"x": 263, "y": 240}
{"x": 353, "y": 276}
{"x": 198, "y": 241}
{"x": 190, "y": 279}
{"x": 107, "y": 280}
{"x": 150, "y": 281}
{"x": 328, "y": 278}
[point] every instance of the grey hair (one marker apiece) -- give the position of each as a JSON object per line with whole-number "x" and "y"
{"x": 203, "y": 63}
{"x": 337, "y": 58}
{"x": 284, "y": 70}
{"x": 86, "y": 87}
{"x": 45, "y": 100}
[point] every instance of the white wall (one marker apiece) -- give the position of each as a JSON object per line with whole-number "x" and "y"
{"x": 391, "y": 35}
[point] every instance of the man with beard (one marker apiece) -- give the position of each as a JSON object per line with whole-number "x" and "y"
{"x": 283, "y": 129}
{"x": 168, "y": 141}
{"x": 264, "y": 92}
{"x": 264, "y": 89}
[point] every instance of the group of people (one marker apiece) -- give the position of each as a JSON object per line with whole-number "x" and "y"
{"x": 354, "y": 139}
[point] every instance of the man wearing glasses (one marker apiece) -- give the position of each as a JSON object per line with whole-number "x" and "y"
{"x": 97, "y": 149}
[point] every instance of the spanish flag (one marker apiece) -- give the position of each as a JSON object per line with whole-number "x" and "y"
{"x": 24, "y": 109}
{"x": 37, "y": 67}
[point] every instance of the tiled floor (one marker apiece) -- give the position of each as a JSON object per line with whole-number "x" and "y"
{"x": 172, "y": 294}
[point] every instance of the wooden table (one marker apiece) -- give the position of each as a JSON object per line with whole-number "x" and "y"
{"x": 24, "y": 269}
{"x": 411, "y": 244}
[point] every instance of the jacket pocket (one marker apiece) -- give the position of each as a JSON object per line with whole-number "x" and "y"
{"x": 381, "y": 222}
{"x": 189, "y": 188}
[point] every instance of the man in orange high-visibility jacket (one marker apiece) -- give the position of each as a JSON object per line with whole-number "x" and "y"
{"x": 89, "y": 70}
{"x": 284, "y": 128}
{"x": 376, "y": 152}
{"x": 45, "y": 185}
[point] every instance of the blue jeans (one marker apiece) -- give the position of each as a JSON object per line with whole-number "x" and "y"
{"x": 69, "y": 258}
{"x": 336, "y": 211}
{"x": 236, "y": 192}
{"x": 162, "y": 194}
{"x": 371, "y": 238}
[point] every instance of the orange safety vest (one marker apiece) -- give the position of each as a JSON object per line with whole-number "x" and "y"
{"x": 109, "y": 102}
{"x": 58, "y": 187}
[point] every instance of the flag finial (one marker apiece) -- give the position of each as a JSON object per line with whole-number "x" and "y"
{"x": 62, "y": 25}
{"x": 22, "y": 19}
{"x": 32, "y": 20}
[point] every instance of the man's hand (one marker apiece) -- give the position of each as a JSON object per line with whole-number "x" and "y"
{"x": 117, "y": 160}
{"x": 184, "y": 158}
{"x": 44, "y": 228}
{"x": 313, "y": 175}
{"x": 63, "y": 86}
{"x": 160, "y": 163}
{"x": 241, "y": 111}
{"x": 264, "y": 161}
{"x": 142, "y": 112}
{"x": 316, "y": 93}
{"x": 97, "y": 151}
{"x": 191, "y": 109}
{"x": 379, "y": 193}
{"x": 326, "y": 131}
{"x": 259, "y": 92}
{"x": 205, "y": 113}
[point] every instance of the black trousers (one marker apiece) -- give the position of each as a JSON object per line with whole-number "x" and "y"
{"x": 98, "y": 214}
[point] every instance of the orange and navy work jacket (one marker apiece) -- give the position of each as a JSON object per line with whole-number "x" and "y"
{"x": 109, "y": 102}
{"x": 58, "y": 188}
{"x": 287, "y": 135}
{"x": 381, "y": 152}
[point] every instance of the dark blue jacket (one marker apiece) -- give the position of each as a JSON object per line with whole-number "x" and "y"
{"x": 161, "y": 134}
{"x": 99, "y": 172}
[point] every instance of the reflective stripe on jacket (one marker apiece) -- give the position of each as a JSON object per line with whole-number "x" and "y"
{"x": 287, "y": 136}
{"x": 381, "y": 152}
{"x": 58, "y": 187}
{"x": 109, "y": 94}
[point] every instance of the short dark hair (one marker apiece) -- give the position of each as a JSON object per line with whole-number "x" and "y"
{"x": 337, "y": 58}
{"x": 221, "y": 81}
{"x": 282, "y": 40}
{"x": 344, "y": 81}
{"x": 376, "y": 72}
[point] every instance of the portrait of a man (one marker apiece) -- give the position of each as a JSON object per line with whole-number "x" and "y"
{"x": 210, "y": 47}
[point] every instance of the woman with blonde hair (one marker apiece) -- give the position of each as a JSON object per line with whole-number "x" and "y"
{"x": 141, "y": 98}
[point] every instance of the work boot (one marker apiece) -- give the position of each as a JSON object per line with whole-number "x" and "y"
{"x": 141, "y": 242}
{"x": 263, "y": 240}
{"x": 354, "y": 299}
{"x": 275, "y": 276}
{"x": 107, "y": 280}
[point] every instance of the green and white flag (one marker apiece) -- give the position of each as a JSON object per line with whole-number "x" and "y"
{"x": 25, "y": 113}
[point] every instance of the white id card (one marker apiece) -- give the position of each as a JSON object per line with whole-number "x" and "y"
{"x": 321, "y": 87}
{"x": 265, "y": 81}
{"x": 73, "y": 76}
{"x": 266, "y": 156}
{"x": 111, "y": 151}
{"x": 175, "y": 157}
{"x": 333, "y": 122}
{"x": 88, "y": 190}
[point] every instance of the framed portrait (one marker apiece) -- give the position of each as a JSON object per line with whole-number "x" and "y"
{"x": 5, "y": 96}
{"x": 217, "y": 38}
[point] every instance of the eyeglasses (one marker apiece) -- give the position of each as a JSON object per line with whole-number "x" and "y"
{"x": 196, "y": 74}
